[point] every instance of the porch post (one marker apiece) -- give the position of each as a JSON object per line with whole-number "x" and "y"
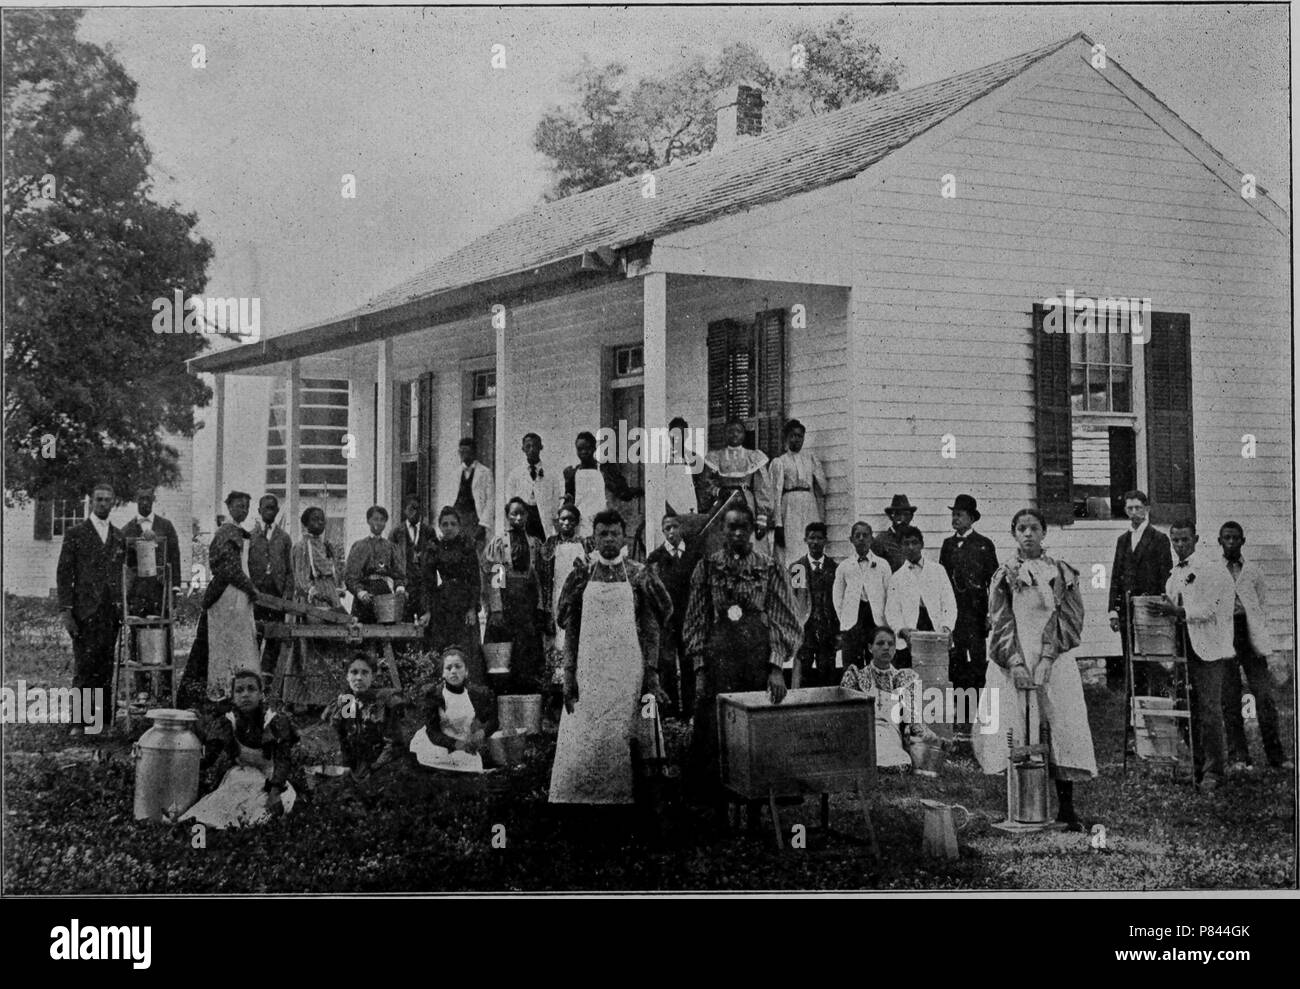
{"x": 654, "y": 314}
{"x": 504, "y": 393}
{"x": 384, "y": 427}
{"x": 218, "y": 470}
{"x": 292, "y": 440}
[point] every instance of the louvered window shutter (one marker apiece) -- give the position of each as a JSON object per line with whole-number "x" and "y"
{"x": 721, "y": 334}
{"x": 43, "y": 519}
{"x": 1052, "y": 422}
{"x": 1168, "y": 358}
{"x": 428, "y": 446}
{"x": 769, "y": 345}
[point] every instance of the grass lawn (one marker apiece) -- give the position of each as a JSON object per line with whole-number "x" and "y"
{"x": 68, "y": 828}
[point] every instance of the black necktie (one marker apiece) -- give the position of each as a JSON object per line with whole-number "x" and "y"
{"x": 534, "y": 472}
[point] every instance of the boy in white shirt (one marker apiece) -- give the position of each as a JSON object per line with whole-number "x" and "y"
{"x": 920, "y": 596}
{"x": 1200, "y": 593}
{"x": 859, "y": 594}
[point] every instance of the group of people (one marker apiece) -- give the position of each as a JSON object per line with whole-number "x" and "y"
{"x": 614, "y": 642}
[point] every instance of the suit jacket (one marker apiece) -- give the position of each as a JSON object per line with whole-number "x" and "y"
{"x": 1142, "y": 572}
{"x": 482, "y": 487}
{"x": 970, "y": 567}
{"x": 887, "y": 546}
{"x": 675, "y": 574}
{"x": 1206, "y": 591}
{"x": 823, "y": 620}
{"x": 89, "y": 573}
{"x": 412, "y": 553}
{"x": 269, "y": 564}
{"x": 165, "y": 533}
{"x": 1250, "y": 592}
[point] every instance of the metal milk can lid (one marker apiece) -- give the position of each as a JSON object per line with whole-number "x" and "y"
{"x": 172, "y": 714}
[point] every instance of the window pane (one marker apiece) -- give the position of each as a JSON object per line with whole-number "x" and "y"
{"x": 1096, "y": 348}
{"x": 1098, "y": 397}
{"x": 1121, "y": 389}
{"x": 1076, "y": 348}
{"x": 1077, "y": 391}
{"x": 1121, "y": 348}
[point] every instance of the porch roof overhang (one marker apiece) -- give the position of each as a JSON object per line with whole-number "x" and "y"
{"x": 475, "y": 298}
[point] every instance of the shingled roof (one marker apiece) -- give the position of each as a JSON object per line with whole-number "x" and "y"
{"x": 806, "y": 155}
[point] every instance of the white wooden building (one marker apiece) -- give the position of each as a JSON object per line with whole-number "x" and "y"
{"x": 879, "y": 273}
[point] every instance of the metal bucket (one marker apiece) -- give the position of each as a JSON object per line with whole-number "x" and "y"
{"x": 930, "y": 657}
{"x": 167, "y": 766}
{"x": 1156, "y": 737}
{"x": 387, "y": 608}
{"x": 151, "y": 646}
{"x": 520, "y": 711}
{"x": 1153, "y": 634}
{"x": 146, "y": 557}
{"x": 1031, "y": 792}
{"x": 507, "y": 746}
{"x": 928, "y": 757}
{"x": 498, "y": 656}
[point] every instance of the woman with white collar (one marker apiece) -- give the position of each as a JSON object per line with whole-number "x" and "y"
{"x": 613, "y": 611}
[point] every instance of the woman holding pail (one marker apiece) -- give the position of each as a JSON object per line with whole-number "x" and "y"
{"x": 1036, "y": 616}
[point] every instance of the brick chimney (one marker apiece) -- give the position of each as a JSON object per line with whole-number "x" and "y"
{"x": 740, "y": 114}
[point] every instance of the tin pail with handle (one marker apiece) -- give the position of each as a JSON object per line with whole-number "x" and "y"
{"x": 1030, "y": 791}
{"x": 939, "y": 837}
{"x": 151, "y": 646}
{"x": 146, "y": 556}
{"x": 387, "y": 608}
{"x": 498, "y": 656}
{"x": 167, "y": 766}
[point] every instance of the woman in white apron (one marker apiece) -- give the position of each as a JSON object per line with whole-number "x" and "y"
{"x": 1036, "y": 616}
{"x": 459, "y": 717}
{"x": 559, "y": 553}
{"x": 898, "y": 699}
{"x": 795, "y": 481}
{"x": 258, "y": 742}
{"x": 613, "y": 610}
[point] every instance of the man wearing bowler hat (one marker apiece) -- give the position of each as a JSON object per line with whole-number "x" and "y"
{"x": 889, "y": 544}
{"x": 971, "y": 560}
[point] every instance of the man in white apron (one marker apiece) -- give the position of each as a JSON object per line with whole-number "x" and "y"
{"x": 590, "y": 485}
{"x": 613, "y": 610}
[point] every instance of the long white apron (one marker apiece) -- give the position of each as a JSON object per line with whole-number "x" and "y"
{"x": 240, "y": 801}
{"x": 593, "y": 760}
{"x": 457, "y": 718}
{"x": 232, "y": 637}
{"x": 589, "y": 497}
{"x": 1071, "y": 751}
{"x": 565, "y": 554}
{"x": 889, "y": 733}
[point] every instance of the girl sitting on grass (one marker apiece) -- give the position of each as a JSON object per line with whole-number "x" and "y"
{"x": 255, "y": 743}
{"x": 898, "y": 699}
{"x": 459, "y": 716}
{"x": 368, "y": 721}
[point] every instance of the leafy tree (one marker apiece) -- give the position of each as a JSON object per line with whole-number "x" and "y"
{"x": 86, "y": 251}
{"x": 615, "y": 128}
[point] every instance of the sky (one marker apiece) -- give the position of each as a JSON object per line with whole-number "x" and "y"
{"x": 406, "y": 100}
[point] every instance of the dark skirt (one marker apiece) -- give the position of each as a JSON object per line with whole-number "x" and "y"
{"x": 520, "y": 602}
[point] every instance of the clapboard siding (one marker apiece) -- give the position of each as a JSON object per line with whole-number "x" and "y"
{"x": 816, "y": 367}
{"x": 1067, "y": 185}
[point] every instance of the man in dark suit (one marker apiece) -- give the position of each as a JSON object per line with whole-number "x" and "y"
{"x": 1143, "y": 560}
{"x": 889, "y": 544}
{"x": 971, "y": 561}
{"x": 269, "y": 567}
{"x": 146, "y": 594}
{"x": 89, "y": 578}
{"x": 412, "y": 536}
{"x": 673, "y": 563}
{"x": 816, "y": 657}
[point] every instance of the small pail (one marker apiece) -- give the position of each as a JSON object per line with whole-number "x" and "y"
{"x": 1031, "y": 792}
{"x": 507, "y": 746}
{"x": 386, "y": 609}
{"x": 520, "y": 711}
{"x": 1156, "y": 737}
{"x": 498, "y": 656}
{"x": 151, "y": 646}
{"x": 928, "y": 757}
{"x": 1153, "y": 634}
{"x": 930, "y": 657}
{"x": 146, "y": 557}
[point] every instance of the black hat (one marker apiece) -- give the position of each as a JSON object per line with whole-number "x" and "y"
{"x": 900, "y": 504}
{"x": 965, "y": 503}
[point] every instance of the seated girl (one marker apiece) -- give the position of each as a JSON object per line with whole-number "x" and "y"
{"x": 459, "y": 716}
{"x": 368, "y": 721}
{"x": 255, "y": 743}
{"x": 898, "y": 699}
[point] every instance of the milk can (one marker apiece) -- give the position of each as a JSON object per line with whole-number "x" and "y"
{"x": 167, "y": 766}
{"x": 1031, "y": 792}
{"x": 146, "y": 555}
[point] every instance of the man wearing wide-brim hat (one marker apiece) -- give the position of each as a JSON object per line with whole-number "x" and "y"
{"x": 971, "y": 561}
{"x": 888, "y": 545}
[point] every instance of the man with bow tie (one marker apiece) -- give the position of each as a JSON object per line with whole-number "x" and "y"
{"x": 539, "y": 489}
{"x": 1200, "y": 594}
{"x": 269, "y": 566}
{"x": 971, "y": 560}
{"x": 859, "y": 594}
{"x": 674, "y": 564}
{"x": 815, "y": 661}
{"x": 146, "y": 594}
{"x": 920, "y": 597}
{"x": 411, "y": 536}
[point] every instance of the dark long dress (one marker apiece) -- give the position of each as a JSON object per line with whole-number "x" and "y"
{"x": 451, "y": 587}
{"x": 525, "y": 613}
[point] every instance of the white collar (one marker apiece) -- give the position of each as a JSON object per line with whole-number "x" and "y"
{"x": 817, "y": 561}
{"x": 145, "y": 519}
{"x": 964, "y": 535}
{"x": 674, "y": 550}
{"x": 918, "y": 565}
{"x": 595, "y": 557}
{"x": 1136, "y": 534}
{"x": 1189, "y": 564}
{"x": 101, "y": 525}
{"x": 870, "y": 561}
